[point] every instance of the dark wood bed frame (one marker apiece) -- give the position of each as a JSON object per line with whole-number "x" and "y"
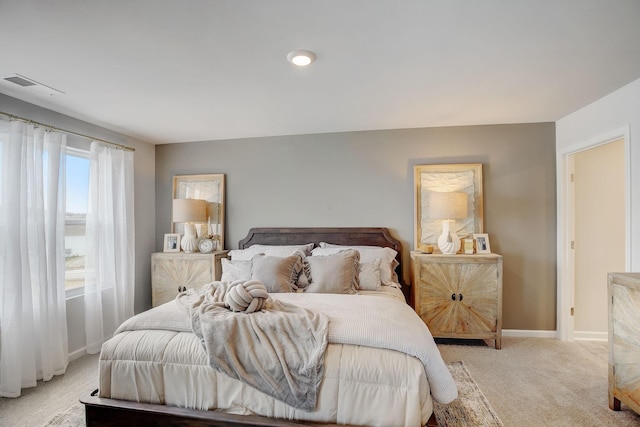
{"x": 115, "y": 413}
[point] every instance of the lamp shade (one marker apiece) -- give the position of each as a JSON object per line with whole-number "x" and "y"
{"x": 451, "y": 205}
{"x": 189, "y": 210}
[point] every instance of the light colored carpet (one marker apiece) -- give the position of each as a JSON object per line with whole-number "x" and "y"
{"x": 541, "y": 381}
{"x": 39, "y": 404}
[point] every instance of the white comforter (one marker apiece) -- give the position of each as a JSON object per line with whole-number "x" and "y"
{"x": 375, "y": 365}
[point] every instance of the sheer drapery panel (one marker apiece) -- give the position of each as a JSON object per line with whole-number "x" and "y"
{"x": 110, "y": 259}
{"x": 33, "y": 328}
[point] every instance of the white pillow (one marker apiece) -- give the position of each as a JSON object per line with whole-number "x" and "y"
{"x": 233, "y": 270}
{"x": 388, "y": 262}
{"x": 270, "y": 250}
{"x": 370, "y": 276}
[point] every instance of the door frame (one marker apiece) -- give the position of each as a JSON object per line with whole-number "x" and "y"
{"x": 565, "y": 327}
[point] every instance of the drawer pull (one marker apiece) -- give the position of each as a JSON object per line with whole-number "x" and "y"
{"x": 453, "y": 297}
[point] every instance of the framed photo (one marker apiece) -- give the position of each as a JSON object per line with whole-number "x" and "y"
{"x": 172, "y": 242}
{"x": 209, "y": 187}
{"x": 482, "y": 243}
{"x": 447, "y": 178}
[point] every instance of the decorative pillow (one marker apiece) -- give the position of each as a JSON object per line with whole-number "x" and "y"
{"x": 388, "y": 264}
{"x": 370, "y": 276}
{"x": 270, "y": 250}
{"x": 334, "y": 274}
{"x": 235, "y": 270}
{"x": 278, "y": 274}
{"x": 304, "y": 278}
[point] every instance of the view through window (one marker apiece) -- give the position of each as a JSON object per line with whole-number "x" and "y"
{"x": 77, "y": 195}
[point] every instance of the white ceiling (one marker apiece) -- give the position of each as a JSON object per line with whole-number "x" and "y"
{"x": 192, "y": 70}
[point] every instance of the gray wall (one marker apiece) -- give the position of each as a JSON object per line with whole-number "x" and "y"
{"x": 366, "y": 179}
{"x": 144, "y": 184}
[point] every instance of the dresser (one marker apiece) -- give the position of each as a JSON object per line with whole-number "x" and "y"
{"x": 624, "y": 340}
{"x": 459, "y": 296}
{"x": 173, "y": 272}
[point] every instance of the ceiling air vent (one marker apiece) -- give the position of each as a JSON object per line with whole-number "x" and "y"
{"x": 19, "y": 80}
{"x": 26, "y": 82}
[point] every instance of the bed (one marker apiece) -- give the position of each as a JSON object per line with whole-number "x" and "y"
{"x": 159, "y": 373}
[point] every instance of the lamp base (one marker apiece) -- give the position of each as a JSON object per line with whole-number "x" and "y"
{"x": 448, "y": 243}
{"x": 189, "y": 242}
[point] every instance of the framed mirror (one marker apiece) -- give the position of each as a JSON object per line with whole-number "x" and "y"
{"x": 209, "y": 187}
{"x": 446, "y": 178}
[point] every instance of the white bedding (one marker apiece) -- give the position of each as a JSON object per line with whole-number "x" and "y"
{"x": 361, "y": 385}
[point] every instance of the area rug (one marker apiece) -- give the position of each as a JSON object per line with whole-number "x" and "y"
{"x": 471, "y": 408}
{"x": 72, "y": 417}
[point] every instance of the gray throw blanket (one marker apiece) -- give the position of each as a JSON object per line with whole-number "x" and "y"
{"x": 279, "y": 350}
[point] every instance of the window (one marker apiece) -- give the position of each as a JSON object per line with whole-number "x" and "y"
{"x": 77, "y": 194}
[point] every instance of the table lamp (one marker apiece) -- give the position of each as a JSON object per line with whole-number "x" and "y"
{"x": 189, "y": 211}
{"x": 448, "y": 207}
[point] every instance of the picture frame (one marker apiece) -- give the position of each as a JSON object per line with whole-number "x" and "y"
{"x": 482, "y": 243}
{"x": 171, "y": 242}
{"x": 210, "y": 187}
{"x": 462, "y": 177}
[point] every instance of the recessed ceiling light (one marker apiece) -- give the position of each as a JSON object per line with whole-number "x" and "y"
{"x": 301, "y": 58}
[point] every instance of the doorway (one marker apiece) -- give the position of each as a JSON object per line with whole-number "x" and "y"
{"x": 599, "y": 230}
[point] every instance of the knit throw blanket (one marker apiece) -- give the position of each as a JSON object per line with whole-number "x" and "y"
{"x": 278, "y": 350}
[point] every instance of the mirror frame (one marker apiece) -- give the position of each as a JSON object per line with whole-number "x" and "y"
{"x": 446, "y": 175}
{"x": 209, "y": 187}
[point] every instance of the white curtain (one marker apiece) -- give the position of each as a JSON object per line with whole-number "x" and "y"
{"x": 33, "y": 324}
{"x": 109, "y": 262}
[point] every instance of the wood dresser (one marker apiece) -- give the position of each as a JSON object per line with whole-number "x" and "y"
{"x": 624, "y": 340}
{"x": 172, "y": 273}
{"x": 459, "y": 296}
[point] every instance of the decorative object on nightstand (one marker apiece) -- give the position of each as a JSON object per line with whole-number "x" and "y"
{"x": 189, "y": 211}
{"x": 459, "y": 296}
{"x": 448, "y": 206}
{"x": 624, "y": 347}
{"x": 482, "y": 243}
{"x": 172, "y": 273}
{"x": 206, "y": 245}
{"x": 469, "y": 246}
{"x": 213, "y": 223}
{"x": 171, "y": 242}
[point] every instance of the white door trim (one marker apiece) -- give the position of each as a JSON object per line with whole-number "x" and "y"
{"x": 565, "y": 276}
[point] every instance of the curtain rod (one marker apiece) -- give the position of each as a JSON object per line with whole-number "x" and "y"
{"x": 123, "y": 147}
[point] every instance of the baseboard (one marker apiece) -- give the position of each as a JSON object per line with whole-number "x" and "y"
{"x": 522, "y": 333}
{"x": 77, "y": 354}
{"x": 590, "y": 336}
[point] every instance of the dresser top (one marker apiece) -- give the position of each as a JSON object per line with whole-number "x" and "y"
{"x": 626, "y": 279}
{"x": 455, "y": 256}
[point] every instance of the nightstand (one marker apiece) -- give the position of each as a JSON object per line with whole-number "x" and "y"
{"x": 459, "y": 296}
{"x": 174, "y": 272}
